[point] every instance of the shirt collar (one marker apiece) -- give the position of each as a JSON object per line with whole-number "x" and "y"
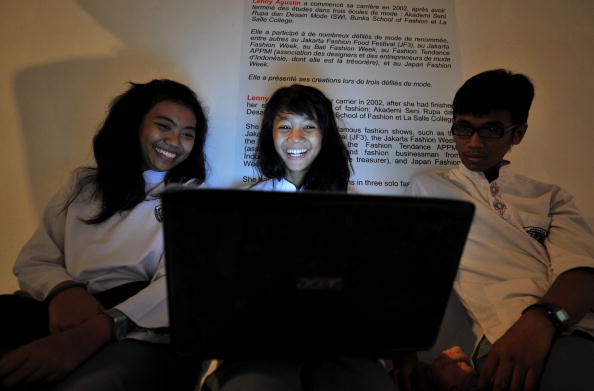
{"x": 504, "y": 170}
{"x": 153, "y": 177}
{"x": 284, "y": 185}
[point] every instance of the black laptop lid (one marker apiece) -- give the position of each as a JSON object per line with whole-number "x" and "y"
{"x": 265, "y": 273}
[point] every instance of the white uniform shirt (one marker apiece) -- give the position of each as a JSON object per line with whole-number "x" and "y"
{"x": 283, "y": 185}
{"x": 125, "y": 248}
{"x": 524, "y": 234}
{"x": 274, "y": 185}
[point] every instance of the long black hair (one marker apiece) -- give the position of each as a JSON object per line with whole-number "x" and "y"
{"x": 117, "y": 179}
{"x": 331, "y": 169}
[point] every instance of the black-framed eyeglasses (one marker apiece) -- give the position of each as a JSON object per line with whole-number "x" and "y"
{"x": 487, "y": 131}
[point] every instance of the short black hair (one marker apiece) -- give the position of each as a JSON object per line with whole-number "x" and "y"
{"x": 331, "y": 169}
{"x": 493, "y": 90}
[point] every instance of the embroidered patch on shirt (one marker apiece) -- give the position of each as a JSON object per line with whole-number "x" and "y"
{"x": 158, "y": 214}
{"x": 538, "y": 233}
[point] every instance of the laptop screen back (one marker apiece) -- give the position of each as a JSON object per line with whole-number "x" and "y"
{"x": 263, "y": 273}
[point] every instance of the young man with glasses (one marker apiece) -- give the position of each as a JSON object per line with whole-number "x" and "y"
{"x": 526, "y": 277}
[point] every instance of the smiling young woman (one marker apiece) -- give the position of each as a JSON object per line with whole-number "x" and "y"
{"x": 167, "y": 135}
{"x": 94, "y": 270}
{"x": 297, "y": 140}
{"x": 299, "y": 146}
{"x": 300, "y": 149}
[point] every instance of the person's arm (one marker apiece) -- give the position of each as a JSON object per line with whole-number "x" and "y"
{"x": 148, "y": 308}
{"x": 70, "y": 305}
{"x": 40, "y": 265}
{"x": 518, "y": 357}
{"x": 52, "y": 358}
{"x": 41, "y": 271}
{"x": 516, "y": 360}
{"x": 573, "y": 291}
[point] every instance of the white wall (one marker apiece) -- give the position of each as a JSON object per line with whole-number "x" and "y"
{"x": 551, "y": 42}
{"x": 62, "y": 61}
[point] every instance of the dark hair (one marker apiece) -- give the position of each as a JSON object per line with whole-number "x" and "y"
{"x": 493, "y": 90}
{"x": 118, "y": 179}
{"x": 331, "y": 169}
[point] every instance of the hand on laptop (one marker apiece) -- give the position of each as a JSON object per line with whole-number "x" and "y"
{"x": 452, "y": 370}
{"x": 411, "y": 374}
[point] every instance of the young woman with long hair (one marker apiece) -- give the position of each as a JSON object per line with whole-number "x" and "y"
{"x": 300, "y": 149}
{"x": 299, "y": 146}
{"x": 94, "y": 270}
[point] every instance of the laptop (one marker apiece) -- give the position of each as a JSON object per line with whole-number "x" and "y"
{"x": 253, "y": 273}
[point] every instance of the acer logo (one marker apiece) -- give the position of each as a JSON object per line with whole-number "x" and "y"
{"x": 320, "y": 283}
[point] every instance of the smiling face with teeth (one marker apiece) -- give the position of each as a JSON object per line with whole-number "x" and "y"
{"x": 167, "y": 135}
{"x": 297, "y": 140}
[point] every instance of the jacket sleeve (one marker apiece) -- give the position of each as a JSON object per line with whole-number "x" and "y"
{"x": 40, "y": 264}
{"x": 570, "y": 241}
{"x": 148, "y": 308}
